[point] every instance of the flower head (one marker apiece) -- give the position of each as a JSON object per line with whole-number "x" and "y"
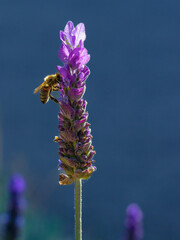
{"x": 133, "y": 222}
{"x": 72, "y": 36}
{"x": 75, "y": 140}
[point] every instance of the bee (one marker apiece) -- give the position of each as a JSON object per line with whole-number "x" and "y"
{"x": 50, "y": 84}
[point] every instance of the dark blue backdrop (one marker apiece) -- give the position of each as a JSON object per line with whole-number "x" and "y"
{"x": 133, "y": 104}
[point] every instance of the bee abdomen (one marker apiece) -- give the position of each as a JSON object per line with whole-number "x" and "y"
{"x": 44, "y": 95}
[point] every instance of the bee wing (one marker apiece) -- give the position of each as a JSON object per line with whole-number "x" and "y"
{"x": 38, "y": 89}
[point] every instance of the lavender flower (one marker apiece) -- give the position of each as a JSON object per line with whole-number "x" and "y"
{"x": 133, "y": 222}
{"x": 14, "y": 220}
{"x": 75, "y": 139}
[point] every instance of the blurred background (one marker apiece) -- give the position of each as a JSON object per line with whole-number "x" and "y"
{"x": 133, "y": 104}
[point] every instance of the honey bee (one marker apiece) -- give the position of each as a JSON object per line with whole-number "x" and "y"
{"x": 50, "y": 84}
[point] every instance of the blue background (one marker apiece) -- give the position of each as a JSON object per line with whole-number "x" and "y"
{"x": 133, "y": 104}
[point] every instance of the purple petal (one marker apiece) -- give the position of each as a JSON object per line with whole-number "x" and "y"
{"x": 78, "y": 57}
{"x": 67, "y": 111}
{"x": 79, "y": 124}
{"x": 79, "y": 33}
{"x": 84, "y": 148}
{"x": 68, "y": 33}
{"x": 81, "y": 76}
{"x": 81, "y": 44}
{"x": 76, "y": 93}
{"x": 63, "y": 71}
{"x": 84, "y": 56}
{"x": 74, "y": 58}
{"x": 64, "y": 52}
{"x": 80, "y": 84}
{"x": 86, "y": 72}
{"x": 91, "y": 155}
{"x": 62, "y": 36}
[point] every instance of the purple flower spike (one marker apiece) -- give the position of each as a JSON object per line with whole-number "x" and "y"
{"x": 75, "y": 141}
{"x": 17, "y": 184}
{"x": 14, "y": 216}
{"x": 133, "y": 223}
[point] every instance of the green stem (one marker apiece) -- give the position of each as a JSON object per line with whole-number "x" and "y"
{"x": 78, "y": 208}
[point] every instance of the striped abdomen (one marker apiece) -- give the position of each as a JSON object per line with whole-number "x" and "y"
{"x": 44, "y": 94}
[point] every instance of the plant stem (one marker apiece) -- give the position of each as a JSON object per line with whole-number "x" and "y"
{"x": 78, "y": 208}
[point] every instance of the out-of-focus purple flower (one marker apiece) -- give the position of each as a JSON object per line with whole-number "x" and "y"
{"x": 134, "y": 223}
{"x": 13, "y": 220}
{"x": 17, "y": 184}
{"x": 75, "y": 139}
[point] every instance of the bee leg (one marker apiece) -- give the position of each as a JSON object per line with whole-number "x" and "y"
{"x": 53, "y": 98}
